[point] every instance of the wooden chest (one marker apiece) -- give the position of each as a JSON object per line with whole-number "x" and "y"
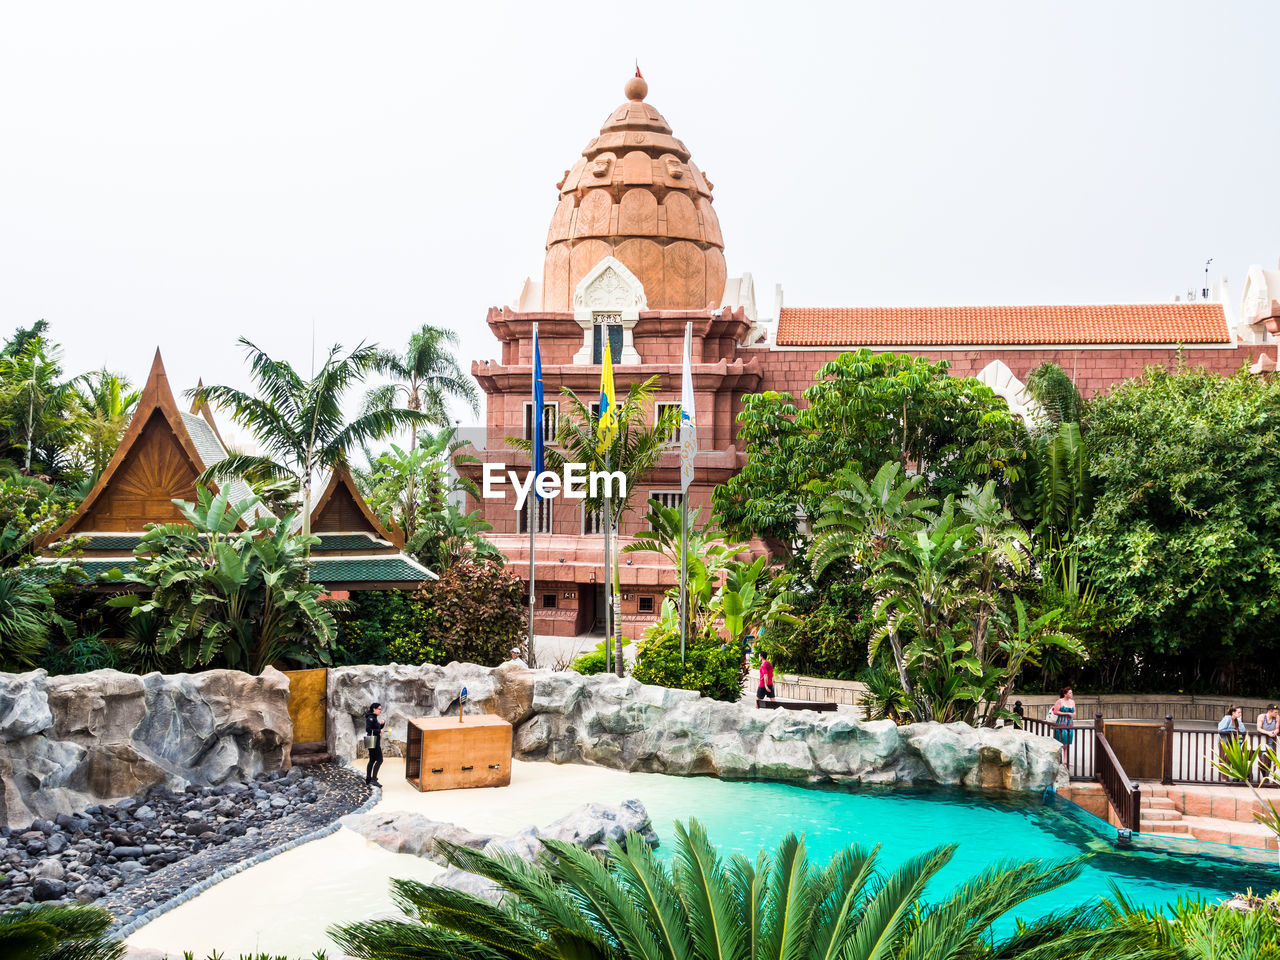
{"x": 443, "y": 754}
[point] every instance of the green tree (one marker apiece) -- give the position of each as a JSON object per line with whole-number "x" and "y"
{"x": 103, "y": 404}
{"x": 864, "y": 410}
{"x": 34, "y": 406}
{"x": 229, "y": 586}
{"x": 300, "y": 422}
{"x": 633, "y": 906}
{"x": 1184, "y": 539}
{"x": 425, "y": 377}
{"x": 54, "y": 932}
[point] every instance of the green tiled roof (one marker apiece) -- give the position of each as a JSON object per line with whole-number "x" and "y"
{"x": 371, "y": 568}
{"x": 348, "y": 541}
{"x": 108, "y": 541}
{"x": 388, "y": 568}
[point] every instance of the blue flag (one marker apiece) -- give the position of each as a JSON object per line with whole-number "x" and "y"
{"x": 538, "y": 440}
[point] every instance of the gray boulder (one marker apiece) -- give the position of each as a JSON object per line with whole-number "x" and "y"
{"x": 67, "y": 742}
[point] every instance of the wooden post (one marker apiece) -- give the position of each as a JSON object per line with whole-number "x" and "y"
{"x": 1167, "y": 763}
{"x": 1097, "y": 732}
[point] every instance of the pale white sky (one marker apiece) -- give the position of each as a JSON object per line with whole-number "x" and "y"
{"x": 181, "y": 175}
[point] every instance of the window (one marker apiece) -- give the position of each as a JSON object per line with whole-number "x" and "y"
{"x": 548, "y": 601}
{"x": 592, "y": 522}
{"x": 550, "y": 421}
{"x": 543, "y": 511}
{"x": 594, "y": 407}
{"x": 672, "y": 410}
{"x": 646, "y": 604}
{"x": 612, "y": 322}
{"x": 667, "y": 498}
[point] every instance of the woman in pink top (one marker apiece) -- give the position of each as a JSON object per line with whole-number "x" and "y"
{"x": 766, "y": 679}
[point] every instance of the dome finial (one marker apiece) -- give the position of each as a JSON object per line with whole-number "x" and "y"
{"x": 636, "y": 88}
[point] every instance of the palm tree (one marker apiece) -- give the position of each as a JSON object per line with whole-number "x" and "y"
{"x": 426, "y": 376}
{"x": 299, "y": 422}
{"x": 633, "y": 906}
{"x": 35, "y": 401}
{"x": 634, "y": 450}
{"x": 103, "y": 404}
{"x": 54, "y": 932}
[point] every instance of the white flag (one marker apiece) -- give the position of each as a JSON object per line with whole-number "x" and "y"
{"x": 688, "y": 418}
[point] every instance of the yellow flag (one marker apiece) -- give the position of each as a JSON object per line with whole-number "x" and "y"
{"x": 608, "y": 427}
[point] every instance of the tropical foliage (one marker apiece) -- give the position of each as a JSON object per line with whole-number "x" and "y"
{"x": 229, "y": 587}
{"x": 633, "y": 905}
{"x": 864, "y": 410}
{"x": 1183, "y": 541}
{"x": 55, "y": 932}
{"x": 299, "y": 421}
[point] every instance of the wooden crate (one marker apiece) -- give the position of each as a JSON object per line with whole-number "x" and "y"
{"x": 443, "y": 754}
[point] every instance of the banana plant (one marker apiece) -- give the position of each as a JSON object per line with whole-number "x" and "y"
{"x": 230, "y": 586}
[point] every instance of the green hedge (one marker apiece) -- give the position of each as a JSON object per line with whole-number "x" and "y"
{"x": 712, "y": 668}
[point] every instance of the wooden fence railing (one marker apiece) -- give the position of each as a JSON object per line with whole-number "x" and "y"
{"x": 1121, "y": 792}
{"x": 1080, "y": 752}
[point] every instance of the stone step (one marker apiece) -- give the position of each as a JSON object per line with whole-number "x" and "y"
{"x": 1212, "y": 830}
{"x": 311, "y": 759}
{"x": 1157, "y": 803}
{"x": 1164, "y": 827}
{"x": 318, "y": 746}
{"x": 1155, "y": 814}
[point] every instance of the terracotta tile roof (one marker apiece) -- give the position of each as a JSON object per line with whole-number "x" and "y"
{"x": 962, "y": 326}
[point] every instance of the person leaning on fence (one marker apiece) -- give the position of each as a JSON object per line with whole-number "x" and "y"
{"x": 1063, "y": 713}
{"x": 1230, "y": 730}
{"x": 1268, "y": 727}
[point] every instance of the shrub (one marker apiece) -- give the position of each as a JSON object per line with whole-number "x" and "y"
{"x": 592, "y": 662}
{"x": 372, "y": 621}
{"x": 830, "y": 640}
{"x": 474, "y": 612}
{"x": 711, "y": 667}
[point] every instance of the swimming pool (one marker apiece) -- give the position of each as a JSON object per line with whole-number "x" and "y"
{"x": 742, "y": 817}
{"x": 284, "y": 905}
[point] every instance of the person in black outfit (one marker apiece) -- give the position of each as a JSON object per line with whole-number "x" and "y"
{"x": 373, "y": 726}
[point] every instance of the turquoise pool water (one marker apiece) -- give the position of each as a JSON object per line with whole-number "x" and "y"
{"x": 742, "y": 817}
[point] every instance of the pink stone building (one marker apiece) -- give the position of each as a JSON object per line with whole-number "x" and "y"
{"x": 634, "y": 251}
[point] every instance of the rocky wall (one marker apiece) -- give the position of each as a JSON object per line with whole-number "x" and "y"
{"x": 69, "y": 742}
{"x": 621, "y": 723}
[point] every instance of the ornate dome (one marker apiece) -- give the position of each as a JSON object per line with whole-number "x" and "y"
{"x": 636, "y": 196}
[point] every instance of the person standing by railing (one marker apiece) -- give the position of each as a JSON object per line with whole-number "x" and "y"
{"x": 1063, "y": 713}
{"x": 1268, "y": 727}
{"x": 1230, "y": 730}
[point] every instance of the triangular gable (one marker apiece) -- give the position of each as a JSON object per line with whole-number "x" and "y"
{"x": 342, "y": 509}
{"x": 201, "y": 406}
{"x": 155, "y": 463}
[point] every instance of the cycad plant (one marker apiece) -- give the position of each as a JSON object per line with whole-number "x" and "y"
{"x": 631, "y": 905}
{"x": 54, "y": 932}
{"x": 300, "y": 422}
{"x": 26, "y": 611}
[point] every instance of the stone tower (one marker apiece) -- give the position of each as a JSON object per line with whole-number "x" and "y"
{"x": 636, "y": 195}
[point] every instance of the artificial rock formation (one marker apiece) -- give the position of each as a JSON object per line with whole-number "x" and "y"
{"x": 68, "y": 742}
{"x": 621, "y": 723}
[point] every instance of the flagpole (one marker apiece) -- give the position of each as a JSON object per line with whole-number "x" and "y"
{"x": 533, "y": 500}
{"x": 688, "y": 449}
{"x": 608, "y": 574}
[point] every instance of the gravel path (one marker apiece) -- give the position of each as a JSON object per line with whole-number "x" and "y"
{"x": 141, "y": 852}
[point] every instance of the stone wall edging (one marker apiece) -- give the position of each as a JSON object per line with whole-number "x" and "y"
{"x": 136, "y": 924}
